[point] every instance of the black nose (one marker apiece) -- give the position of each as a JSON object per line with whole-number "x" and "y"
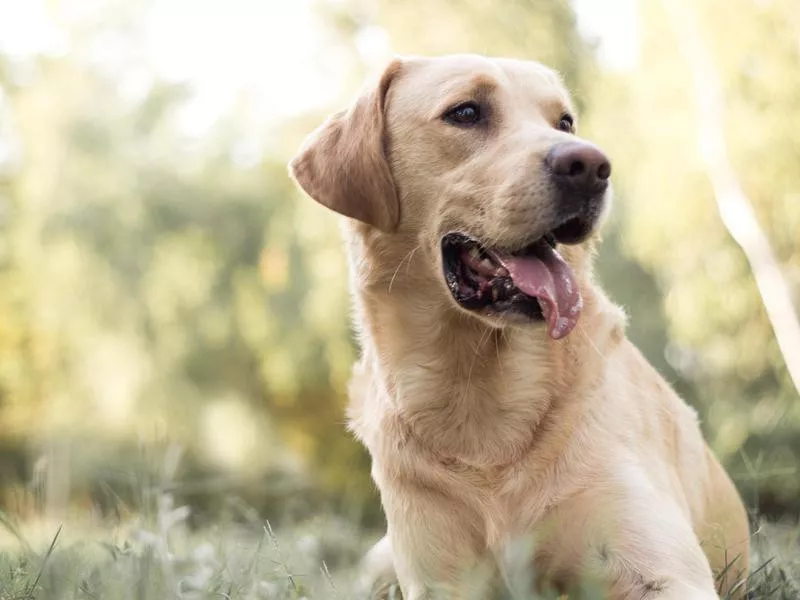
{"x": 579, "y": 166}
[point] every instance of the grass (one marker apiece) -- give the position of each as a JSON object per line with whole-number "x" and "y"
{"x": 157, "y": 555}
{"x": 161, "y": 559}
{"x": 164, "y": 559}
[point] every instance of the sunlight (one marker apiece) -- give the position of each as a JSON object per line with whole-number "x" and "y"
{"x": 272, "y": 51}
{"x": 613, "y": 24}
{"x": 275, "y": 53}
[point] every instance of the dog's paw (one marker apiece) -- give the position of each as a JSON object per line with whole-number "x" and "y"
{"x": 386, "y": 591}
{"x": 378, "y": 580}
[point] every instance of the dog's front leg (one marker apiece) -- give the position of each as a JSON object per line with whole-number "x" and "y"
{"x": 681, "y": 591}
{"x": 438, "y": 551}
{"x": 643, "y": 545}
{"x": 665, "y": 565}
{"x": 649, "y": 573}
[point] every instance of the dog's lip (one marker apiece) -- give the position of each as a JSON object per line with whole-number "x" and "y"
{"x": 570, "y": 231}
{"x": 574, "y": 230}
{"x": 459, "y": 236}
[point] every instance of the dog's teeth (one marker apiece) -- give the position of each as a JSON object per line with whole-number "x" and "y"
{"x": 487, "y": 263}
{"x": 495, "y": 294}
{"x": 475, "y": 253}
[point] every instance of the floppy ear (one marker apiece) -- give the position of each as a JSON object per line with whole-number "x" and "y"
{"x": 343, "y": 164}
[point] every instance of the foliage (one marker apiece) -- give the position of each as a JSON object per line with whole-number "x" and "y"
{"x": 163, "y": 288}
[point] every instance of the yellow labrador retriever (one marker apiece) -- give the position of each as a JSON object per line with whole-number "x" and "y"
{"x": 497, "y": 392}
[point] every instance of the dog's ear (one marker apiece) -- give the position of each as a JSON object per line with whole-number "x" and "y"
{"x": 343, "y": 164}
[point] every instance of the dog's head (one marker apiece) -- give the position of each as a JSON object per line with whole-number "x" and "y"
{"x": 474, "y": 162}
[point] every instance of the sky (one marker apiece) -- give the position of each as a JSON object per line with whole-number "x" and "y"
{"x": 273, "y": 50}
{"x": 614, "y": 24}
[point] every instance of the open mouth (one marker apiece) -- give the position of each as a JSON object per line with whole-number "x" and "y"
{"x": 534, "y": 282}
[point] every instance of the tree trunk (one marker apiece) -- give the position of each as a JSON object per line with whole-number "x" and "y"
{"x": 734, "y": 207}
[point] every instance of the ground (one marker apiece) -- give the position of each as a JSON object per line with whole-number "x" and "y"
{"x": 161, "y": 557}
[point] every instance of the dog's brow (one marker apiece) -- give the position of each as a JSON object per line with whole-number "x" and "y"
{"x": 478, "y": 87}
{"x": 483, "y": 81}
{"x": 558, "y": 105}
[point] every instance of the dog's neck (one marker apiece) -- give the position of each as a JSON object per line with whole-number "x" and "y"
{"x": 449, "y": 377}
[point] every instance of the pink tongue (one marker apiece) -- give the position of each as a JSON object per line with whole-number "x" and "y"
{"x": 550, "y": 280}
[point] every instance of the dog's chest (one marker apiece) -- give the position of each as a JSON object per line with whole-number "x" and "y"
{"x": 511, "y": 501}
{"x": 480, "y": 426}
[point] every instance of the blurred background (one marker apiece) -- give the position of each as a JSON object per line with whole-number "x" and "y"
{"x": 174, "y": 314}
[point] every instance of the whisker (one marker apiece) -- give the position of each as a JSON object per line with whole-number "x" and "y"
{"x": 483, "y": 337}
{"x": 409, "y": 256}
{"x": 590, "y": 341}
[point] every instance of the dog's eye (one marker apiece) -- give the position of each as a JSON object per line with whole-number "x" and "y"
{"x": 566, "y": 123}
{"x": 468, "y": 113}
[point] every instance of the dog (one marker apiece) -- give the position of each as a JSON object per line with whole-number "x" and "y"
{"x": 496, "y": 391}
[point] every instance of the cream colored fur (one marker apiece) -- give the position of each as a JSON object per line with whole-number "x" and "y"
{"x": 483, "y": 430}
